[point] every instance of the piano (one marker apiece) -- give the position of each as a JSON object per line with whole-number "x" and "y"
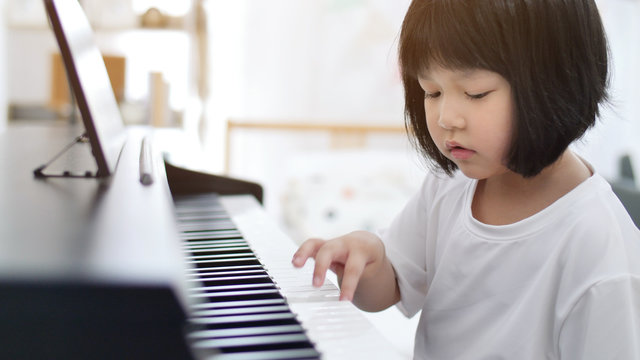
{"x": 111, "y": 250}
{"x": 110, "y": 268}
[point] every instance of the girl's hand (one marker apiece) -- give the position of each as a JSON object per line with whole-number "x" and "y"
{"x": 355, "y": 256}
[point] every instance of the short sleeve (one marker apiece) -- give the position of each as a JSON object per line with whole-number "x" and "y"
{"x": 605, "y": 322}
{"x": 405, "y": 247}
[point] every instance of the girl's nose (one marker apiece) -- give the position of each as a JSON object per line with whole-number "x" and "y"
{"x": 450, "y": 115}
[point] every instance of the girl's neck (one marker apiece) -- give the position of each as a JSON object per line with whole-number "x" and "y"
{"x": 509, "y": 197}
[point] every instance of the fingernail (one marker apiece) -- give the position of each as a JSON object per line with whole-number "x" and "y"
{"x": 317, "y": 281}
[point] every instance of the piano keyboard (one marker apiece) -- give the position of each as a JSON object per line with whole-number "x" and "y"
{"x": 248, "y": 302}
{"x": 239, "y": 310}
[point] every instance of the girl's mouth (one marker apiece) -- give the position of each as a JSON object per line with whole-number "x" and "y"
{"x": 458, "y": 152}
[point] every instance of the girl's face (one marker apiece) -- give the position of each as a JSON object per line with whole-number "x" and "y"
{"x": 470, "y": 117}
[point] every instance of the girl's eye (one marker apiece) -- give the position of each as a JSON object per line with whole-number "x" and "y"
{"x": 433, "y": 95}
{"x": 477, "y": 96}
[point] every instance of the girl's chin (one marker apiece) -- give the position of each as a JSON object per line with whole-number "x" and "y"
{"x": 479, "y": 172}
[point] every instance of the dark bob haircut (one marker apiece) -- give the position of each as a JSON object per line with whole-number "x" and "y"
{"x": 553, "y": 53}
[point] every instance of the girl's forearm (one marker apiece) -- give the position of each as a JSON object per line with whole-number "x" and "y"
{"x": 377, "y": 290}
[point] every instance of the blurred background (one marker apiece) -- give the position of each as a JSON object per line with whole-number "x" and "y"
{"x": 303, "y": 97}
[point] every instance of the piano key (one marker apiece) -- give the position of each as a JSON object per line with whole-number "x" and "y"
{"x": 221, "y": 255}
{"x": 200, "y": 226}
{"x": 238, "y": 287}
{"x": 242, "y": 310}
{"x": 230, "y": 273}
{"x": 261, "y": 330}
{"x": 194, "y": 245}
{"x": 249, "y": 260}
{"x": 257, "y": 343}
{"x": 234, "y": 280}
{"x": 238, "y": 304}
{"x": 220, "y": 248}
{"x": 211, "y": 235}
{"x": 245, "y": 321}
{"x": 240, "y": 295}
{"x": 299, "y": 354}
{"x": 222, "y": 269}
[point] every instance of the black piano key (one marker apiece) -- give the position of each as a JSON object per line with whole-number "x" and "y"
{"x": 249, "y": 318}
{"x": 298, "y": 354}
{"x": 259, "y": 294}
{"x": 188, "y": 228}
{"x": 226, "y": 247}
{"x": 211, "y": 235}
{"x": 225, "y": 269}
{"x": 236, "y": 287}
{"x": 205, "y": 274}
{"x": 244, "y": 261}
{"x": 253, "y": 331}
{"x": 278, "y": 308}
{"x": 192, "y": 213}
{"x": 214, "y": 244}
{"x": 219, "y": 253}
{"x": 235, "y": 280}
{"x": 245, "y": 321}
{"x": 220, "y": 256}
{"x": 257, "y": 343}
{"x": 219, "y": 250}
{"x": 238, "y": 304}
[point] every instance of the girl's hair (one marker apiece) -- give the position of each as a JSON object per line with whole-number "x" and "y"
{"x": 553, "y": 53}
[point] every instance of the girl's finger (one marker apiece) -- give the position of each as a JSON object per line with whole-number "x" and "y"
{"x": 328, "y": 254}
{"x": 353, "y": 270}
{"x": 307, "y": 250}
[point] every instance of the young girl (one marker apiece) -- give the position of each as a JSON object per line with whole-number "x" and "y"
{"x": 517, "y": 248}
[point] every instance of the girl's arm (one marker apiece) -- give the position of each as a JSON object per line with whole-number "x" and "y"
{"x": 364, "y": 272}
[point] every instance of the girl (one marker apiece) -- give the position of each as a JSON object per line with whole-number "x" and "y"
{"x": 516, "y": 248}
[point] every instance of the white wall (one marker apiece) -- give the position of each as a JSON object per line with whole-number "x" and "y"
{"x": 29, "y": 78}
{"x": 325, "y": 60}
{"x": 618, "y": 131}
{"x": 3, "y": 72}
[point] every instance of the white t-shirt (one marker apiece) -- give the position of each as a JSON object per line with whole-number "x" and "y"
{"x": 561, "y": 284}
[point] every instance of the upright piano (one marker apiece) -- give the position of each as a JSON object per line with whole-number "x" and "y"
{"x": 119, "y": 268}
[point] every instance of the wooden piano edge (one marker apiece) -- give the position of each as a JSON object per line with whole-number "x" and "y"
{"x": 185, "y": 181}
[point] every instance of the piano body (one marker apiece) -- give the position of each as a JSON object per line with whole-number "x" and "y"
{"x": 111, "y": 268}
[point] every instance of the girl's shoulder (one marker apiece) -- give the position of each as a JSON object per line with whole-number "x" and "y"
{"x": 599, "y": 229}
{"x": 594, "y": 204}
